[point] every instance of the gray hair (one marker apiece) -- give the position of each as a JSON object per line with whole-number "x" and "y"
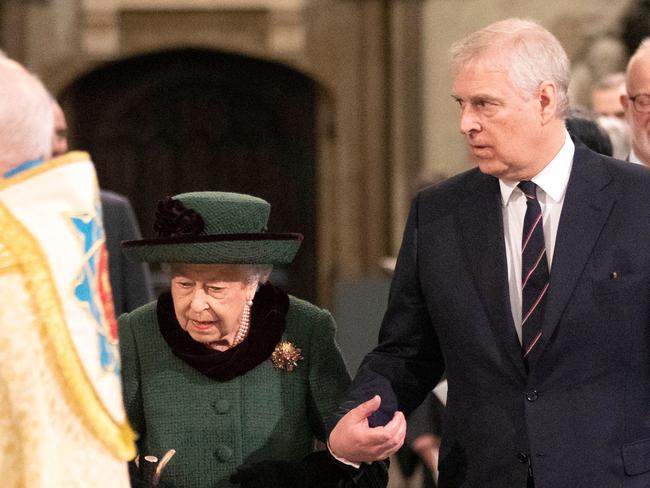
{"x": 256, "y": 272}
{"x": 26, "y": 118}
{"x": 249, "y": 273}
{"x": 530, "y": 53}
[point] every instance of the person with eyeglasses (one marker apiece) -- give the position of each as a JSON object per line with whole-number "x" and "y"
{"x": 636, "y": 103}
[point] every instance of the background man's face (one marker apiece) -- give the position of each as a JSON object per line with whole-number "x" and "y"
{"x": 638, "y": 81}
{"x": 607, "y": 102}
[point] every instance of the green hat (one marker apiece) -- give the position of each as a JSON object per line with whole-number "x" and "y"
{"x": 213, "y": 228}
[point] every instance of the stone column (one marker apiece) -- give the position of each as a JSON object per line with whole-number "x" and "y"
{"x": 346, "y": 52}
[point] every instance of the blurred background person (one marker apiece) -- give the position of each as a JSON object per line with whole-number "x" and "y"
{"x": 609, "y": 114}
{"x": 582, "y": 125}
{"x": 62, "y": 421}
{"x": 636, "y": 103}
{"x": 606, "y": 95}
{"x": 130, "y": 282}
{"x": 603, "y": 54}
{"x": 619, "y": 135}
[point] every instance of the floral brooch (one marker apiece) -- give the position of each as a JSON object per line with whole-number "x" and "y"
{"x": 286, "y": 356}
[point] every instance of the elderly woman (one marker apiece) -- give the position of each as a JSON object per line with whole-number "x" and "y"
{"x": 226, "y": 369}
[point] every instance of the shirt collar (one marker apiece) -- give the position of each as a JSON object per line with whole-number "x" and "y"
{"x": 633, "y": 158}
{"x": 553, "y": 179}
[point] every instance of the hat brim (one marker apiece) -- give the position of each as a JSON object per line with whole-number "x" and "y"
{"x": 216, "y": 249}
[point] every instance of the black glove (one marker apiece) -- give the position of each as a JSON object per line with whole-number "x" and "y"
{"x": 317, "y": 470}
{"x": 373, "y": 475}
{"x": 137, "y": 481}
{"x": 269, "y": 474}
{"x": 314, "y": 471}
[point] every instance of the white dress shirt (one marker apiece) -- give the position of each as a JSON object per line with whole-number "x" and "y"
{"x": 551, "y": 187}
{"x": 633, "y": 158}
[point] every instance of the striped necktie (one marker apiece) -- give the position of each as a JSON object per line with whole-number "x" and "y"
{"x": 534, "y": 271}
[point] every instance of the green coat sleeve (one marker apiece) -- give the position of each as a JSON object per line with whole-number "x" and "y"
{"x": 328, "y": 375}
{"x": 130, "y": 374}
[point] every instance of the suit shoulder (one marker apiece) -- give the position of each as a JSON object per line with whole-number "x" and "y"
{"x": 445, "y": 196}
{"x": 629, "y": 179}
{"x": 637, "y": 172}
{"x": 111, "y": 198}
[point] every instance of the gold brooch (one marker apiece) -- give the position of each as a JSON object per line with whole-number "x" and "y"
{"x": 286, "y": 356}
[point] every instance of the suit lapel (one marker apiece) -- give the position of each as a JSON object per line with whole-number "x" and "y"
{"x": 587, "y": 205}
{"x": 481, "y": 226}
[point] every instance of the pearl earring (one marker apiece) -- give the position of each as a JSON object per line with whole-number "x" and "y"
{"x": 244, "y": 323}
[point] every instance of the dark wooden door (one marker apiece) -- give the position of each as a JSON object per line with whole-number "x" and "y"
{"x": 190, "y": 119}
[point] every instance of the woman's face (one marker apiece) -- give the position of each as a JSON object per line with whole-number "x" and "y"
{"x": 209, "y": 300}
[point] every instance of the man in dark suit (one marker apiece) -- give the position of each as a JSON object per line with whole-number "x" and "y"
{"x": 526, "y": 280}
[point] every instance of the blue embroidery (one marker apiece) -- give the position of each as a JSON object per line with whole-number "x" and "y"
{"x": 87, "y": 289}
{"x": 32, "y": 163}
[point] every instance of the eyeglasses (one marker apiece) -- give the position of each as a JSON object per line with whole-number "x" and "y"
{"x": 641, "y": 102}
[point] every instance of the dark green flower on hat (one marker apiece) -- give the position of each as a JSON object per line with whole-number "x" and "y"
{"x": 175, "y": 219}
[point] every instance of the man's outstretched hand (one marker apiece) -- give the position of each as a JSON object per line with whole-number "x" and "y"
{"x": 353, "y": 440}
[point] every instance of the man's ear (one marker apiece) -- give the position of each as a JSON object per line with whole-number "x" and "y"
{"x": 548, "y": 100}
{"x": 625, "y": 102}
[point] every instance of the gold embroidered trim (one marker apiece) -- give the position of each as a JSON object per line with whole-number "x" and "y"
{"x": 69, "y": 370}
{"x": 69, "y": 158}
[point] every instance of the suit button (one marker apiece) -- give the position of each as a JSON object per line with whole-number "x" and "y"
{"x": 532, "y": 395}
{"x": 522, "y": 457}
{"x": 221, "y": 406}
{"x": 223, "y": 453}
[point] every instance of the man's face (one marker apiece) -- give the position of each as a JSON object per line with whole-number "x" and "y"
{"x": 501, "y": 126}
{"x": 607, "y": 101}
{"x": 638, "y": 82}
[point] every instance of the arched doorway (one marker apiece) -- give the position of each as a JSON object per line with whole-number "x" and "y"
{"x": 194, "y": 119}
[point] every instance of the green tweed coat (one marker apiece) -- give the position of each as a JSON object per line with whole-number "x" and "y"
{"x": 264, "y": 414}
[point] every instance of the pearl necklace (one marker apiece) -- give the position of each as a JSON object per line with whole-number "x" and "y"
{"x": 244, "y": 324}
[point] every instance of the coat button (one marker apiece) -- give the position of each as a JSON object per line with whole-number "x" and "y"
{"x": 223, "y": 453}
{"x": 522, "y": 457}
{"x": 221, "y": 406}
{"x": 532, "y": 395}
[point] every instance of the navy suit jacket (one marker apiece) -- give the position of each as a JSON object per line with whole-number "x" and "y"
{"x": 130, "y": 282}
{"x": 582, "y": 413}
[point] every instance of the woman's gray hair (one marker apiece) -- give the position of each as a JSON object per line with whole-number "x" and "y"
{"x": 256, "y": 272}
{"x": 26, "y": 116}
{"x": 528, "y": 53}
{"x": 249, "y": 273}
